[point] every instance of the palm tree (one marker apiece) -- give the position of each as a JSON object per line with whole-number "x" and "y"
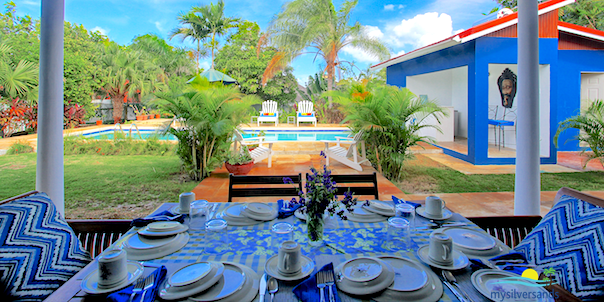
{"x": 194, "y": 27}
{"x": 203, "y": 22}
{"x": 391, "y": 118}
{"x": 125, "y": 73}
{"x": 20, "y": 81}
{"x": 591, "y": 130}
{"x": 315, "y": 25}
{"x": 209, "y": 114}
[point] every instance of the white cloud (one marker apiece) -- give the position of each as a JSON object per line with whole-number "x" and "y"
{"x": 103, "y": 31}
{"x": 159, "y": 26}
{"x": 420, "y": 31}
{"x": 358, "y": 54}
{"x": 389, "y": 7}
{"x": 205, "y": 65}
{"x": 32, "y": 3}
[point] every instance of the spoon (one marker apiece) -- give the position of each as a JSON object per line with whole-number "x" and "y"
{"x": 273, "y": 287}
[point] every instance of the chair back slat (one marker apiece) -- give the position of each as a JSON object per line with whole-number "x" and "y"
{"x": 358, "y": 136}
{"x": 343, "y": 180}
{"x": 306, "y": 107}
{"x": 244, "y": 180}
{"x": 238, "y": 135}
{"x": 509, "y": 229}
{"x": 269, "y": 106}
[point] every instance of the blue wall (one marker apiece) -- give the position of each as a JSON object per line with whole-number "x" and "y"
{"x": 571, "y": 64}
{"x": 477, "y": 55}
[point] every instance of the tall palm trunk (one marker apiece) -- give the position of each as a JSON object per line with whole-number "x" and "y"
{"x": 118, "y": 108}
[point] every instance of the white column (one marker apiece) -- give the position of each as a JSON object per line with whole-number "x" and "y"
{"x": 49, "y": 173}
{"x": 528, "y": 182}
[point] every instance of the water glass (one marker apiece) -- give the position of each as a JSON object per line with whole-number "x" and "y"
{"x": 399, "y": 236}
{"x": 281, "y": 232}
{"x": 198, "y": 214}
{"x": 217, "y": 237}
{"x": 407, "y": 211}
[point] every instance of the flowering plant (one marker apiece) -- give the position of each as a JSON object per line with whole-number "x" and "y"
{"x": 321, "y": 196}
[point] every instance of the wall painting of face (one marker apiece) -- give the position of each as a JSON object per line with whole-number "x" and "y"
{"x": 507, "y": 88}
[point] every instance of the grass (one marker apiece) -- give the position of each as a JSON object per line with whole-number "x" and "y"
{"x": 423, "y": 175}
{"x": 103, "y": 186}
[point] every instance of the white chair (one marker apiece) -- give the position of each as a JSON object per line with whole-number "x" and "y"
{"x": 259, "y": 153}
{"x": 348, "y": 156}
{"x": 269, "y": 113}
{"x": 306, "y": 113}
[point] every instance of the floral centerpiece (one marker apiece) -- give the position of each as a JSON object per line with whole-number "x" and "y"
{"x": 321, "y": 199}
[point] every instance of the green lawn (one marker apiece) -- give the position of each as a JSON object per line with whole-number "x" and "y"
{"x": 106, "y": 186}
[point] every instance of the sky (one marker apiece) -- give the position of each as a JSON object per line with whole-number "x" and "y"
{"x": 401, "y": 25}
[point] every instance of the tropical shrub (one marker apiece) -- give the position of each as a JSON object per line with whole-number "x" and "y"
{"x": 120, "y": 145}
{"x": 73, "y": 115}
{"x": 20, "y": 147}
{"x": 207, "y": 115}
{"x": 17, "y": 115}
{"x": 591, "y": 130}
{"x": 391, "y": 118}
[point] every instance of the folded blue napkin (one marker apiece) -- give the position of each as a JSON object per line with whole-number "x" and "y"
{"x": 124, "y": 294}
{"x": 162, "y": 216}
{"x": 478, "y": 264}
{"x": 286, "y": 212}
{"x": 397, "y": 200}
{"x": 307, "y": 291}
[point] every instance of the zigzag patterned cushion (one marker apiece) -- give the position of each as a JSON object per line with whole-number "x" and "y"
{"x": 38, "y": 250}
{"x": 570, "y": 239}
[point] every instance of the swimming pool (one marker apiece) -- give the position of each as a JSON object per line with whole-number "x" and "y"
{"x": 145, "y": 133}
{"x": 297, "y": 135}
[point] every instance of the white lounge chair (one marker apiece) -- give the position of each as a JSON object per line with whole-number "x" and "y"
{"x": 269, "y": 113}
{"x": 348, "y": 156}
{"x": 306, "y": 113}
{"x": 259, "y": 153}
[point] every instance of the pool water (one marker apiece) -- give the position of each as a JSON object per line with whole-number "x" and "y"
{"x": 108, "y": 134}
{"x": 298, "y": 135}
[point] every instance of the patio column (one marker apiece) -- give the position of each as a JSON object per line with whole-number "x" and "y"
{"x": 528, "y": 183}
{"x": 49, "y": 169}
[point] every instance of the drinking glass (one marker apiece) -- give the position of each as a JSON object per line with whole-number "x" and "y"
{"x": 407, "y": 211}
{"x": 198, "y": 214}
{"x": 399, "y": 237}
{"x": 280, "y": 232}
{"x": 217, "y": 237}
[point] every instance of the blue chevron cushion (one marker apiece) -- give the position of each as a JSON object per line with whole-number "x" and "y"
{"x": 38, "y": 250}
{"x": 570, "y": 239}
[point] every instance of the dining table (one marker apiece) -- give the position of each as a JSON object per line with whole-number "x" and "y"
{"x": 251, "y": 246}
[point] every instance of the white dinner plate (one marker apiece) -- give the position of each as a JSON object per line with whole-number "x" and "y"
{"x": 141, "y": 248}
{"x": 362, "y": 269}
{"x": 233, "y": 280}
{"x": 298, "y": 213}
{"x": 459, "y": 259}
{"x": 409, "y": 275}
{"x": 499, "y": 249}
{"x": 149, "y": 231}
{"x": 307, "y": 267}
{"x": 470, "y": 239}
{"x": 261, "y": 212}
{"x": 383, "y": 281}
{"x": 248, "y": 291}
{"x": 366, "y": 219}
{"x": 380, "y": 207}
{"x": 235, "y": 210}
{"x": 238, "y": 221}
{"x": 191, "y": 280}
{"x": 90, "y": 283}
{"x": 487, "y": 281}
{"x": 421, "y": 211}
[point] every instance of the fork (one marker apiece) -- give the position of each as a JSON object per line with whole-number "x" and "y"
{"x": 138, "y": 287}
{"x": 148, "y": 284}
{"x": 321, "y": 284}
{"x": 330, "y": 282}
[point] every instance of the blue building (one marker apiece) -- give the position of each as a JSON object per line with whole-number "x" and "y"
{"x": 462, "y": 73}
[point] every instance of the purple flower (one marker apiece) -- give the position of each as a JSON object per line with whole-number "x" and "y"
{"x": 287, "y": 180}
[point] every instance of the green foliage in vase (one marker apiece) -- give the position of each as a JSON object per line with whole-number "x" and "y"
{"x": 590, "y": 125}
{"x": 239, "y": 158}
{"x": 208, "y": 115}
{"x": 391, "y": 118}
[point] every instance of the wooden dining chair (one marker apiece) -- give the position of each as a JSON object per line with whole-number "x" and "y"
{"x": 344, "y": 182}
{"x": 243, "y": 183}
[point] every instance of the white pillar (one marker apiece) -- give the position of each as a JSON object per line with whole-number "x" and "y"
{"x": 528, "y": 182}
{"x": 49, "y": 173}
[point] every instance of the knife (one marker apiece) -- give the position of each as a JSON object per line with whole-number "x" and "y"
{"x": 453, "y": 290}
{"x": 442, "y": 225}
{"x": 262, "y": 287}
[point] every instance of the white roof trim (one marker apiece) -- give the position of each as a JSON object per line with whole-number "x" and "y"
{"x": 420, "y": 52}
{"x": 580, "y": 33}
